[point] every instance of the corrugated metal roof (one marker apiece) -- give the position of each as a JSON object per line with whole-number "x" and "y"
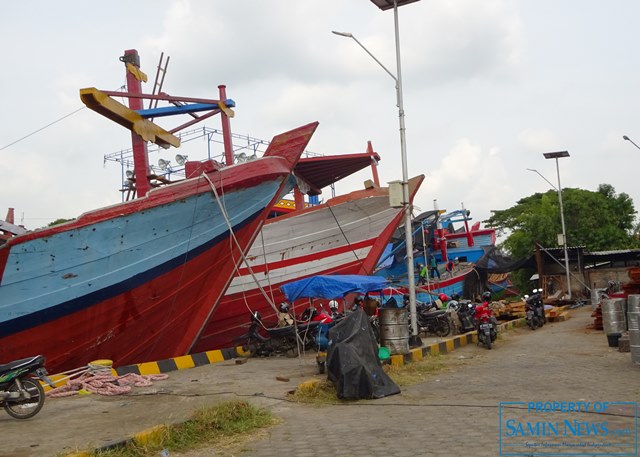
{"x": 619, "y": 251}
{"x": 320, "y": 172}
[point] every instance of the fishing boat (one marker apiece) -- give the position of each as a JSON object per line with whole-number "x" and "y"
{"x": 137, "y": 281}
{"x": 455, "y": 248}
{"x": 344, "y": 235}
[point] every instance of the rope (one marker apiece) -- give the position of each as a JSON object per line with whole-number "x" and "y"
{"x": 344, "y": 235}
{"x": 235, "y": 240}
{"x": 266, "y": 266}
{"x": 102, "y": 383}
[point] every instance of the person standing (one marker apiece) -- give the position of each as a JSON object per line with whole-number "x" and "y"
{"x": 422, "y": 280}
{"x": 433, "y": 265}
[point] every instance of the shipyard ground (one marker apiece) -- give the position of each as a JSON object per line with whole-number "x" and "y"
{"x": 454, "y": 413}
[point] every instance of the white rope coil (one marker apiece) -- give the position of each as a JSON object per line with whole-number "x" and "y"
{"x": 102, "y": 383}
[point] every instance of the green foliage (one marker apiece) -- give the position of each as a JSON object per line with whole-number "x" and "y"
{"x": 600, "y": 220}
{"x": 58, "y": 221}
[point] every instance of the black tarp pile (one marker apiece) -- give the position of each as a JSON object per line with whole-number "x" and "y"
{"x": 494, "y": 261}
{"x": 352, "y": 360}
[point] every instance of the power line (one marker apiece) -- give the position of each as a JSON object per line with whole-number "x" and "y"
{"x": 42, "y": 128}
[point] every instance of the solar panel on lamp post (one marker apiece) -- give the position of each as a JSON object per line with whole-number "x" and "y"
{"x": 556, "y": 156}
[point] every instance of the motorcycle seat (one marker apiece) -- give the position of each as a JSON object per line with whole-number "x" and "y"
{"x": 35, "y": 361}
{"x": 437, "y": 313}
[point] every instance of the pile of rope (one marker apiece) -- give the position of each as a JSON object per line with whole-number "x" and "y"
{"x": 104, "y": 383}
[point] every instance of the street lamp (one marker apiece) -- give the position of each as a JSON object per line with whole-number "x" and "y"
{"x": 542, "y": 176}
{"x": 558, "y": 155}
{"x": 414, "y": 340}
{"x": 625, "y": 137}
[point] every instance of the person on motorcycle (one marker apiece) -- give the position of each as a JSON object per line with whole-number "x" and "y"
{"x": 333, "y": 309}
{"x": 284, "y": 317}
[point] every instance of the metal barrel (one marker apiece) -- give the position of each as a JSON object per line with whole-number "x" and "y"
{"x": 394, "y": 330}
{"x": 613, "y": 318}
{"x": 633, "y": 318}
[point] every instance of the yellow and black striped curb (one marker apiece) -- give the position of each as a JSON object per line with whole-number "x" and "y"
{"x": 220, "y": 355}
{"x": 179, "y": 363}
{"x": 448, "y": 345}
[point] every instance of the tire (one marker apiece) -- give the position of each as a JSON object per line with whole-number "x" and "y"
{"x": 531, "y": 323}
{"x": 26, "y": 408}
{"x": 442, "y": 328}
{"x": 322, "y": 367}
{"x": 489, "y": 344}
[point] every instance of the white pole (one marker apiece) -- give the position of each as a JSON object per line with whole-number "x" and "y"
{"x": 405, "y": 186}
{"x": 564, "y": 233}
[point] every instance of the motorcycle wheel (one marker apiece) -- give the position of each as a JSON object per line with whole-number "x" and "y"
{"x": 489, "y": 344}
{"x": 25, "y": 408}
{"x": 531, "y": 323}
{"x": 442, "y": 328}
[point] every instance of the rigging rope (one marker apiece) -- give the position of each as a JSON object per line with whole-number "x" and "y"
{"x": 233, "y": 237}
{"x": 344, "y": 235}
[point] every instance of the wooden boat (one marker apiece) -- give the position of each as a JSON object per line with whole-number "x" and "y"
{"x": 136, "y": 281}
{"x": 345, "y": 235}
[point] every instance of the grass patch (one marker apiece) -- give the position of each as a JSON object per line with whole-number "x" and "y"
{"x": 415, "y": 372}
{"x": 316, "y": 392}
{"x": 226, "y": 424}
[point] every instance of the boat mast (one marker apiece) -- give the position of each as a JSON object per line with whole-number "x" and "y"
{"x": 135, "y": 76}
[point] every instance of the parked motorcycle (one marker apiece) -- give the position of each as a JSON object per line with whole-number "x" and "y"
{"x": 465, "y": 311}
{"x": 433, "y": 321}
{"x": 21, "y": 394}
{"x": 534, "y": 310}
{"x": 263, "y": 341}
{"x": 539, "y": 306}
{"x": 487, "y": 325}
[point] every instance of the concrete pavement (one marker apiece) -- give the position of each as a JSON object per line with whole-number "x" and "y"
{"x": 455, "y": 412}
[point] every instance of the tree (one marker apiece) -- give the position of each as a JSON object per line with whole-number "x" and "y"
{"x": 600, "y": 220}
{"x": 58, "y": 222}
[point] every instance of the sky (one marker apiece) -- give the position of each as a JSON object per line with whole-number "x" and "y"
{"x": 488, "y": 87}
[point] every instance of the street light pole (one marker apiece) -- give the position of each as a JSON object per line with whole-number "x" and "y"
{"x": 556, "y": 156}
{"x": 625, "y": 137}
{"x": 414, "y": 340}
{"x": 542, "y": 176}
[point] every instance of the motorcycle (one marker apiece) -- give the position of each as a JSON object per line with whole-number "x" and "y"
{"x": 21, "y": 394}
{"x": 263, "y": 341}
{"x": 465, "y": 310}
{"x": 534, "y": 310}
{"x": 539, "y": 306}
{"x": 486, "y": 325}
{"x": 434, "y": 321}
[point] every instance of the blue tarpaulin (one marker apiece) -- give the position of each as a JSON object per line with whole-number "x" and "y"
{"x": 332, "y": 286}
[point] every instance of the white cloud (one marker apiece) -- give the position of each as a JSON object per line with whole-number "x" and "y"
{"x": 488, "y": 87}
